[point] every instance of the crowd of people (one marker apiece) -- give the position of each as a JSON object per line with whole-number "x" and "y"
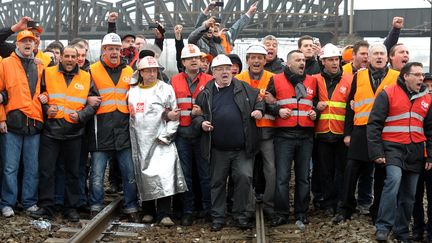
{"x": 220, "y": 135}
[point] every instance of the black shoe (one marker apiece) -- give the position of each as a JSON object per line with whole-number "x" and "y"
{"x": 72, "y": 215}
{"x": 133, "y": 217}
{"x": 330, "y": 212}
{"x": 244, "y": 224}
{"x": 216, "y": 227}
{"x": 41, "y": 213}
{"x": 339, "y": 218}
{"x": 278, "y": 220}
{"x": 83, "y": 209}
{"x": 381, "y": 235}
{"x": 318, "y": 203}
{"x": 417, "y": 236}
{"x": 187, "y": 219}
{"x": 304, "y": 219}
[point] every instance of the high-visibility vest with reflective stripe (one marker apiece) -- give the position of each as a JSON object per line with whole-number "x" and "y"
{"x": 286, "y": 98}
{"x": 261, "y": 85}
{"x": 347, "y": 68}
{"x": 404, "y": 122}
{"x": 67, "y": 98}
{"x": 113, "y": 96}
{"x": 365, "y": 97}
{"x": 332, "y": 118}
{"x": 185, "y": 99}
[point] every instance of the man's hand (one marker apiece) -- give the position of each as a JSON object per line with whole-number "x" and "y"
{"x": 74, "y": 116}
{"x": 177, "y": 31}
{"x": 316, "y": 48}
{"x": 43, "y": 99}
{"x": 284, "y": 113}
{"x": 321, "y": 105}
{"x": 3, "y": 127}
{"x": 257, "y": 114}
{"x": 37, "y": 61}
{"x": 52, "y": 110}
{"x": 157, "y": 33}
{"x": 352, "y": 104}
{"x": 210, "y": 7}
{"x": 428, "y": 166}
{"x": 252, "y": 10}
{"x": 312, "y": 115}
{"x": 347, "y": 140}
{"x": 21, "y": 25}
{"x": 209, "y": 22}
{"x": 174, "y": 115}
{"x": 196, "y": 110}
{"x": 381, "y": 160}
{"x": 269, "y": 98}
{"x": 112, "y": 17}
{"x": 398, "y": 22}
{"x": 206, "y": 126}
{"x": 94, "y": 100}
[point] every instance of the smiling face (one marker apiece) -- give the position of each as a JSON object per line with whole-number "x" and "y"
{"x": 222, "y": 75}
{"x": 272, "y": 49}
{"x": 400, "y": 57}
{"x": 256, "y": 62}
{"x": 26, "y": 46}
{"x": 69, "y": 59}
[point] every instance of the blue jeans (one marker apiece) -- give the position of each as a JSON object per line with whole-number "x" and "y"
{"x": 287, "y": 150}
{"x": 12, "y": 147}
{"x": 189, "y": 152}
{"x": 397, "y": 201}
{"x": 99, "y": 161}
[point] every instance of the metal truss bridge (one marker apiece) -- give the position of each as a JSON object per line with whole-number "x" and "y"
{"x": 283, "y": 18}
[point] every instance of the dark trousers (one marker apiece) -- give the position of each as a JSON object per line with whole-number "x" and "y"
{"x": 424, "y": 181}
{"x": 160, "y": 207}
{"x": 242, "y": 171}
{"x": 379, "y": 177}
{"x": 353, "y": 170}
{"x": 50, "y": 151}
{"x": 332, "y": 160}
{"x": 288, "y": 150}
{"x": 316, "y": 176}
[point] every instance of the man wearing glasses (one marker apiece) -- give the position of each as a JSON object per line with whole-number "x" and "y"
{"x": 399, "y": 124}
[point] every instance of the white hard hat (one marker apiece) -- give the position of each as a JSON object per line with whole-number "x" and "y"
{"x": 330, "y": 50}
{"x": 147, "y": 62}
{"x": 256, "y": 48}
{"x": 111, "y": 39}
{"x": 190, "y": 50}
{"x": 220, "y": 60}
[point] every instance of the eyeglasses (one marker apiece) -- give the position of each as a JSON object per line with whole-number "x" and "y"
{"x": 418, "y": 75}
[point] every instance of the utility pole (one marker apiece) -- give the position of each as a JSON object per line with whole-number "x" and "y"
{"x": 351, "y": 18}
{"x": 430, "y": 39}
{"x": 73, "y": 19}
{"x": 58, "y": 20}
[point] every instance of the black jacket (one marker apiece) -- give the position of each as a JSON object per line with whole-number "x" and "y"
{"x": 312, "y": 66}
{"x": 409, "y": 157}
{"x": 60, "y": 128}
{"x": 245, "y": 97}
{"x": 276, "y": 66}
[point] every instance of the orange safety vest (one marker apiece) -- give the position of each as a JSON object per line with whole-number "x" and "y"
{"x": 67, "y": 98}
{"x": 225, "y": 44}
{"x": 365, "y": 97}
{"x": 404, "y": 122}
{"x": 332, "y": 118}
{"x": 13, "y": 79}
{"x": 285, "y": 96}
{"x": 113, "y": 96}
{"x": 347, "y": 68}
{"x": 46, "y": 60}
{"x": 185, "y": 99}
{"x": 261, "y": 85}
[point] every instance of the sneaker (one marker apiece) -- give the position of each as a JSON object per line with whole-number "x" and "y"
{"x": 32, "y": 209}
{"x": 8, "y": 212}
{"x": 166, "y": 221}
{"x": 147, "y": 219}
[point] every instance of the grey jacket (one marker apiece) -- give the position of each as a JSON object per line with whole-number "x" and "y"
{"x": 197, "y": 38}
